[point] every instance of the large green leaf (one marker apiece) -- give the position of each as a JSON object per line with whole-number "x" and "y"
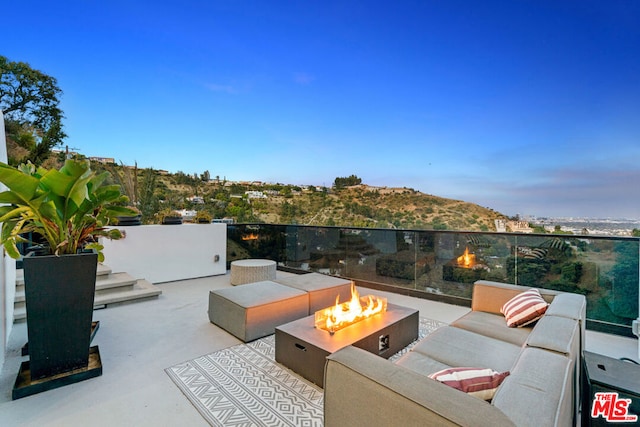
{"x": 66, "y": 186}
{"x": 11, "y": 198}
{"x": 69, "y": 207}
{"x": 22, "y": 185}
{"x": 14, "y": 212}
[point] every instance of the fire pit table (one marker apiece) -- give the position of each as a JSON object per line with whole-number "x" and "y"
{"x": 303, "y": 348}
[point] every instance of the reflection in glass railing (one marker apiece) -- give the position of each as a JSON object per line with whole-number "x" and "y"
{"x": 447, "y": 263}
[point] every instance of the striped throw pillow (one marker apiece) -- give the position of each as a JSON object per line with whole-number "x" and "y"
{"x": 477, "y": 382}
{"x": 524, "y": 308}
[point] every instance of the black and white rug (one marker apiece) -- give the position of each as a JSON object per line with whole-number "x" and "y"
{"x": 244, "y": 386}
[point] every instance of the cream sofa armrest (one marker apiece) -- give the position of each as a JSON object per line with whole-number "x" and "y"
{"x": 490, "y": 296}
{"x": 571, "y": 306}
{"x": 558, "y": 334}
{"x": 362, "y": 389}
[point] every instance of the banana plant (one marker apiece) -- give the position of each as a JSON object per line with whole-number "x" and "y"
{"x": 70, "y": 207}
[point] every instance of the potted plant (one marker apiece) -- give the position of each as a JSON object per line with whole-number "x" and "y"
{"x": 203, "y": 217}
{"x": 67, "y": 209}
{"x": 135, "y": 218}
{"x": 169, "y": 217}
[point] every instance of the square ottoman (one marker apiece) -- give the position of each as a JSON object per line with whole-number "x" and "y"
{"x": 254, "y": 310}
{"x": 322, "y": 289}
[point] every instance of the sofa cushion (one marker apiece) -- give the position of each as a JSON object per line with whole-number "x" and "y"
{"x": 490, "y": 296}
{"x": 524, "y": 308}
{"x": 322, "y": 289}
{"x": 254, "y": 310}
{"x": 362, "y": 389}
{"x": 538, "y": 392}
{"x": 494, "y": 326}
{"x": 568, "y": 305}
{"x": 558, "y": 334}
{"x": 477, "y": 382}
{"x": 420, "y": 363}
{"x": 457, "y": 347}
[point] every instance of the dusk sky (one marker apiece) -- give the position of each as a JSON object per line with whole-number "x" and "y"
{"x": 529, "y": 107}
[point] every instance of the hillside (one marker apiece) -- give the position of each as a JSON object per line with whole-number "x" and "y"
{"x": 364, "y": 206}
{"x": 356, "y": 205}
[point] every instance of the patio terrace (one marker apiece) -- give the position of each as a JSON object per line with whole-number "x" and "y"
{"x": 138, "y": 341}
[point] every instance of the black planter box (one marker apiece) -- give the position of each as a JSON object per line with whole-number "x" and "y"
{"x": 59, "y": 294}
{"x": 26, "y": 386}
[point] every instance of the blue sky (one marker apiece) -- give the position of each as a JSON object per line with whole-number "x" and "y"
{"x": 529, "y": 107}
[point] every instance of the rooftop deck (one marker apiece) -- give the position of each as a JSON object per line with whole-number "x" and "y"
{"x": 138, "y": 341}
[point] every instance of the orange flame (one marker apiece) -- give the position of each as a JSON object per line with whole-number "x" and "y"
{"x": 466, "y": 259}
{"x": 344, "y": 314}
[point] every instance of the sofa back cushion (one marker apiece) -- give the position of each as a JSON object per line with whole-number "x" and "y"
{"x": 490, "y": 296}
{"x": 363, "y": 389}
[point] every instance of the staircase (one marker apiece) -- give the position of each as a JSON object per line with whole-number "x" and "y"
{"x": 111, "y": 288}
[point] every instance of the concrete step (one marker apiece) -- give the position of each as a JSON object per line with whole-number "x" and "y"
{"x": 113, "y": 283}
{"x": 117, "y": 281}
{"x": 101, "y": 271}
{"x": 140, "y": 290}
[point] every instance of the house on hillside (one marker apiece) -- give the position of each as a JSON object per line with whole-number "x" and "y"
{"x": 255, "y": 194}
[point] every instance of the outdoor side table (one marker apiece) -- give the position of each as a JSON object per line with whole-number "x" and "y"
{"x": 252, "y": 270}
{"x": 602, "y": 374}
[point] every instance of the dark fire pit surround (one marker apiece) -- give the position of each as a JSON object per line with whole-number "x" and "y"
{"x": 302, "y": 347}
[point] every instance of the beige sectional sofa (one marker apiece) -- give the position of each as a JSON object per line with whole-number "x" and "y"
{"x": 542, "y": 389}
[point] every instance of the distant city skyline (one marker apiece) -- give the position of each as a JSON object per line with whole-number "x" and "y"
{"x": 526, "y": 107}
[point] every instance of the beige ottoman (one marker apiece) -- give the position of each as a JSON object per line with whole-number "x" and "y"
{"x": 254, "y": 310}
{"x": 322, "y": 289}
{"x": 252, "y": 270}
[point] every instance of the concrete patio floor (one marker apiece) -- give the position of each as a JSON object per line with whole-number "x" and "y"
{"x": 138, "y": 341}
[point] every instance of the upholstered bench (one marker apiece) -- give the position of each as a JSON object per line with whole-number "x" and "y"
{"x": 322, "y": 289}
{"x": 254, "y": 310}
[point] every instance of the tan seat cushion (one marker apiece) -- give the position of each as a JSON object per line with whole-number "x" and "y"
{"x": 322, "y": 289}
{"x": 254, "y": 310}
{"x": 460, "y": 348}
{"x": 494, "y": 326}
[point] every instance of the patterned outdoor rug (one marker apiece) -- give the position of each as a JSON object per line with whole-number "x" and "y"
{"x": 244, "y": 386}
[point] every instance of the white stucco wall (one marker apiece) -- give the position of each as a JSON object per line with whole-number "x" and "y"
{"x": 165, "y": 253}
{"x": 3, "y": 282}
{"x": 7, "y": 272}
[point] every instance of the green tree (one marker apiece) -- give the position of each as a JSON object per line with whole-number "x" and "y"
{"x": 340, "y": 183}
{"x": 288, "y": 211}
{"x": 149, "y": 203}
{"x": 30, "y": 101}
{"x": 623, "y": 299}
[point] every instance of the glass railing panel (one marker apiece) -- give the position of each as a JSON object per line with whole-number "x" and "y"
{"x": 612, "y": 294}
{"x": 447, "y": 263}
{"x": 379, "y": 256}
{"x": 262, "y": 241}
{"x": 313, "y": 249}
{"x": 450, "y": 262}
